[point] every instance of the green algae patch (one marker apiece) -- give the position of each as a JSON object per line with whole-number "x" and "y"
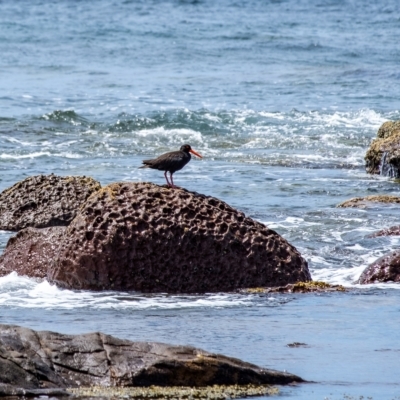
{"x": 314, "y": 286}
{"x": 215, "y": 392}
{"x": 299, "y": 287}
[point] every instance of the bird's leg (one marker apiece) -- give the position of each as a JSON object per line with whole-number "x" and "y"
{"x": 172, "y": 180}
{"x": 166, "y": 177}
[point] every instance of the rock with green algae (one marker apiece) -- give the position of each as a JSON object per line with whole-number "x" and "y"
{"x": 369, "y": 201}
{"x": 299, "y": 287}
{"x": 383, "y": 156}
{"x": 215, "y": 392}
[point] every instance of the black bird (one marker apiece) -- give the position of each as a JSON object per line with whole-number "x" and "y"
{"x": 171, "y": 162}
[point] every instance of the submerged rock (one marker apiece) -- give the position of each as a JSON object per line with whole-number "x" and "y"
{"x": 31, "y": 360}
{"x": 368, "y": 201}
{"x": 43, "y": 201}
{"x": 141, "y": 236}
{"x": 383, "y": 156}
{"x": 385, "y": 269}
{"x": 31, "y": 251}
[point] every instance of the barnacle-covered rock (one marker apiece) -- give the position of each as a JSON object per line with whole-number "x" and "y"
{"x": 31, "y": 251}
{"x": 32, "y": 360}
{"x": 384, "y": 269}
{"x": 383, "y": 156}
{"x": 44, "y": 200}
{"x": 140, "y": 236}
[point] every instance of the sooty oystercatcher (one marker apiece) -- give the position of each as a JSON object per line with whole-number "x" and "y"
{"x": 171, "y": 162}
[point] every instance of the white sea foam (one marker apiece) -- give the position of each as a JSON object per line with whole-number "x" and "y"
{"x": 337, "y": 276}
{"x": 12, "y": 139}
{"x": 347, "y": 277}
{"x": 161, "y": 131}
{"x": 356, "y": 247}
{"x": 36, "y": 154}
{"x": 22, "y": 292}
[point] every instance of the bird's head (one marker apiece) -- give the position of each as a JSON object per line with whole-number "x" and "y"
{"x": 187, "y": 149}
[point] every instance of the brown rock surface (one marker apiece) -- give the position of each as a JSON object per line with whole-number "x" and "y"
{"x": 31, "y": 251}
{"x": 385, "y": 269}
{"x": 43, "y": 201}
{"x": 32, "y": 360}
{"x": 140, "y": 236}
{"x": 383, "y": 156}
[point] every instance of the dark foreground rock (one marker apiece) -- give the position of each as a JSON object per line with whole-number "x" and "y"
{"x": 31, "y": 251}
{"x": 383, "y": 156}
{"x": 32, "y": 360}
{"x": 140, "y": 236}
{"x": 43, "y": 201}
{"x": 385, "y": 269}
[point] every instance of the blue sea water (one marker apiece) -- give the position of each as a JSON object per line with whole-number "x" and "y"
{"x": 282, "y": 98}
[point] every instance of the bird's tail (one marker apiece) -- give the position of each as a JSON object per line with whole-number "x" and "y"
{"x": 146, "y": 164}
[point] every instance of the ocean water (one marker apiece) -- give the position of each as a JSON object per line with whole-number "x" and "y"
{"x": 282, "y": 98}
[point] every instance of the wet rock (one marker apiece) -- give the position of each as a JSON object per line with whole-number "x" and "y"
{"x": 392, "y": 231}
{"x": 31, "y": 251}
{"x": 385, "y": 269}
{"x": 32, "y": 360}
{"x": 383, "y": 156}
{"x": 141, "y": 236}
{"x": 297, "y": 344}
{"x": 369, "y": 201}
{"x": 43, "y": 201}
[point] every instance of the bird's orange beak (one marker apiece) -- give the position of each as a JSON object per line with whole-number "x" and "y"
{"x": 196, "y": 154}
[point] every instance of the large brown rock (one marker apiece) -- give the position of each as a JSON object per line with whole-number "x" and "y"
{"x": 383, "y": 156}
{"x": 140, "y": 236}
{"x": 31, "y": 251}
{"x": 43, "y": 201}
{"x": 385, "y": 269}
{"x": 46, "y": 360}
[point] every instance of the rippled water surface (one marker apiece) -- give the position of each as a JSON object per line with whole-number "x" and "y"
{"x": 282, "y": 99}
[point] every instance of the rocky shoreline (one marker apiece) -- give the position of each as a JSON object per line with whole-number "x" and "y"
{"x": 149, "y": 238}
